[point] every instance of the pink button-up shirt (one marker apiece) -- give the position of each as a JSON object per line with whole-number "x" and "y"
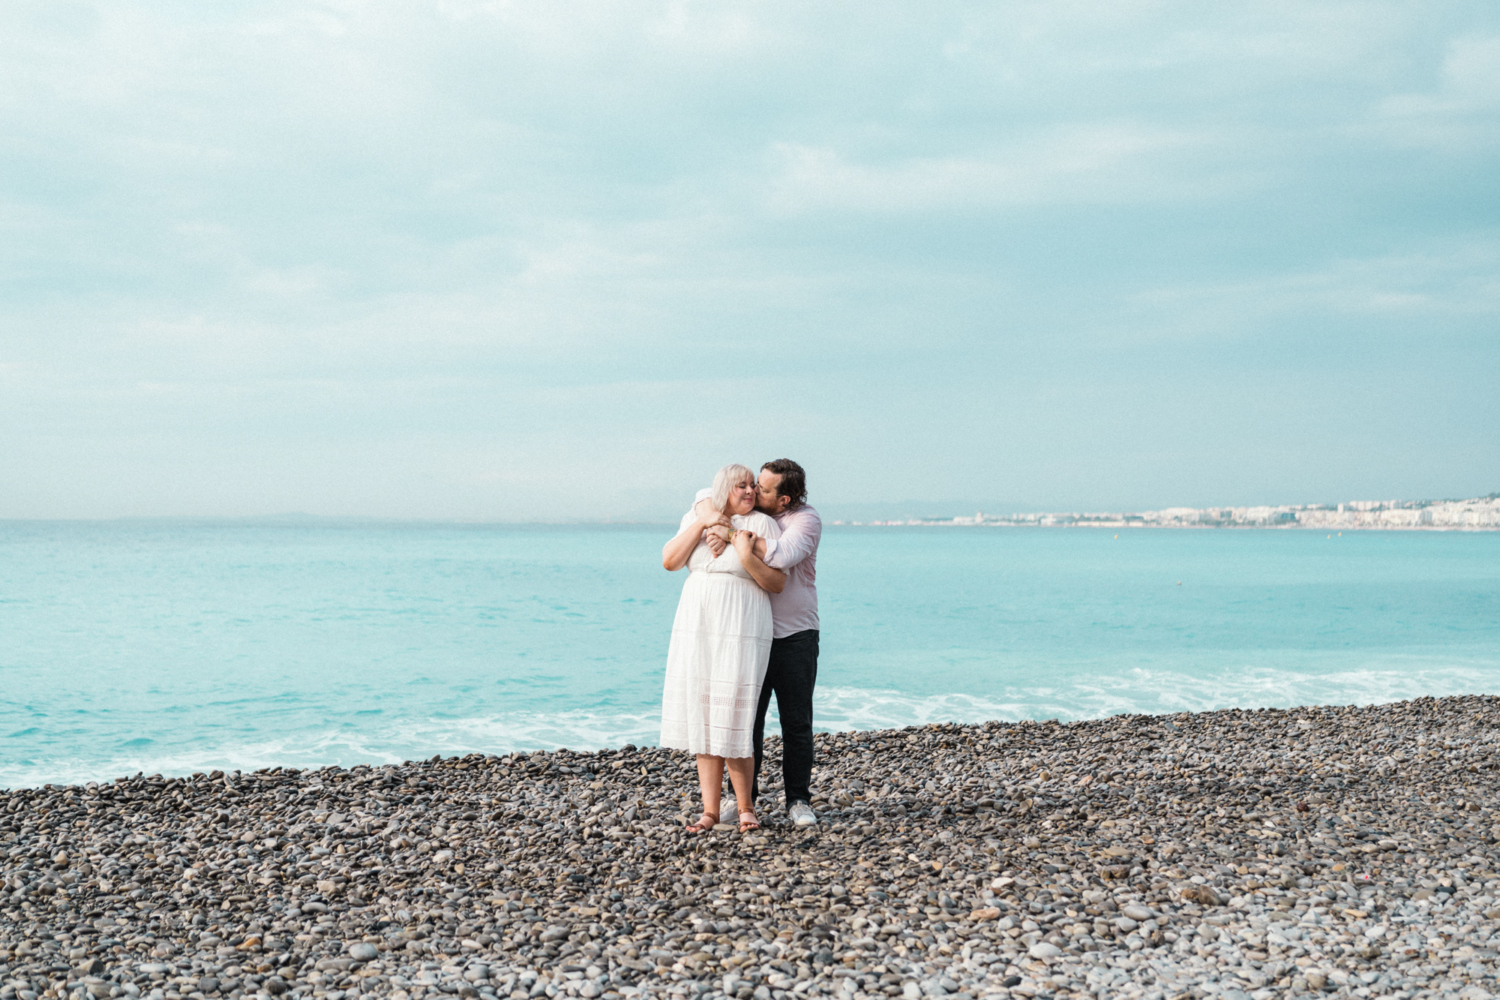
{"x": 795, "y": 609}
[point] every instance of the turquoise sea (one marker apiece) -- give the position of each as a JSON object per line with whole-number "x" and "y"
{"x": 169, "y": 648}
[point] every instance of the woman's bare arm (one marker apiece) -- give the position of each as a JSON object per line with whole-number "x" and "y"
{"x": 674, "y": 555}
{"x": 716, "y": 536}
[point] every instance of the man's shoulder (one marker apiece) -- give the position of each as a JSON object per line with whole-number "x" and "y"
{"x": 806, "y": 514}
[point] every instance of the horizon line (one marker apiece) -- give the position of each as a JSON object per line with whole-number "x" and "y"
{"x": 297, "y": 517}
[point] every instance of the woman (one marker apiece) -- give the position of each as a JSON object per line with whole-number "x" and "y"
{"x": 721, "y": 641}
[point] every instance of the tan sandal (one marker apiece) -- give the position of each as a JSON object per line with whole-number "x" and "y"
{"x": 705, "y": 823}
{"x": 746, "y": 825}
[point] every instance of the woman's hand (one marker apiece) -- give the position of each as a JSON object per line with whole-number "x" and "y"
{"x": 717, "y": 539}
{"x": 710, "y": 526}
{"x": 773, "y": 580}
{"x": 744, "y": 543}
{"x": 714, "y": 525}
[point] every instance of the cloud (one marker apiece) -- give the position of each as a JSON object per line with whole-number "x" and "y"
{"x": 1462, "y": 111}
{"x": 1084, "y": 164}
{"x": 1455, "y": 286}
{"x": 366, "y": 257}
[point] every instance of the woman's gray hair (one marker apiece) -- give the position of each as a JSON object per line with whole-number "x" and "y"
{"x": 727, "y": 479}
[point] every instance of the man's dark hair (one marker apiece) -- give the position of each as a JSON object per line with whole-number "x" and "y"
{"x": 793, "y": 481}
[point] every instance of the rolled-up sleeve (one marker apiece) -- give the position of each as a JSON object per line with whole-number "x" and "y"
{"x": 799, "y": 539}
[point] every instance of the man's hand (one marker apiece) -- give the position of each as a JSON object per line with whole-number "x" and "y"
{"x": 708, "y": 515}
{"x": 717, "y": 539}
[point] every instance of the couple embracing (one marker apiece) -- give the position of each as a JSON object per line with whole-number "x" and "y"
{"x": 746, "y": 628}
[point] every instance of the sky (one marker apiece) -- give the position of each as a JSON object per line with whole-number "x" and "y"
{"x": 527, "y": 261}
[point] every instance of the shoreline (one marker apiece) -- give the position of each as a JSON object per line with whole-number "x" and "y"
{"x": 1239, "y": 852}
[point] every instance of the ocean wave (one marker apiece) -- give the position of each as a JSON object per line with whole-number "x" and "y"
{"x": 1083, "y": 695}
{"x": 391, "y": 743}
{"x": 1156, "y": 691}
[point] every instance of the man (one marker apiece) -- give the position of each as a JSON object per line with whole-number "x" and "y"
{"x": 781, "y": 491}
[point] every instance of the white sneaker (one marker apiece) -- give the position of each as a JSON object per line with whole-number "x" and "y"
{"x": 801, "y": 814}
{"x": 729, "y": 812}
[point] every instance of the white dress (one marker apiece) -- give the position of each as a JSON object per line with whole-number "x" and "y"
{"x": 721, "y": 642}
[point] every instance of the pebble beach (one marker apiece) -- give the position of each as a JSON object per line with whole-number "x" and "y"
{"x": 1330, "y": 850}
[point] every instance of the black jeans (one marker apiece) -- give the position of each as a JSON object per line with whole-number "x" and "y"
{"x": 792, "y": 674}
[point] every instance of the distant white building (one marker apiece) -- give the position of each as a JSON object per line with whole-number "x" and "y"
{"x": 1481, "y": 513}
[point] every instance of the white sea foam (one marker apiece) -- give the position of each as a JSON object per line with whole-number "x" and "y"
{"x": 838, "y": 708}
{"x": 1156, "y": 692}
{"x": 389, "y": 743}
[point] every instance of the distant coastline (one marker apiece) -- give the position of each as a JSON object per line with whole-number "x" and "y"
{"x": 1475, "y": 514}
